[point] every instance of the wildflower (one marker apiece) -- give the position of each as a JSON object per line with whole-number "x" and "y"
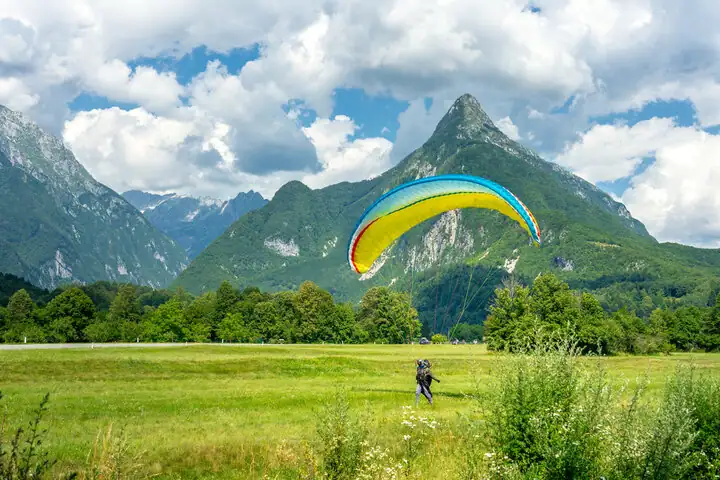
{"x": 406, "y": 437}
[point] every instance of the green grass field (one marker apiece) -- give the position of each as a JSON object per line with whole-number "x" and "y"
{"x": 221, "y": 411}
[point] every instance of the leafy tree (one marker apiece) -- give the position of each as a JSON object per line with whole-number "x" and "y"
{"x": 200, "y": 317}
{"x": 315, "y": 308}
{"x": 467, "y": 332}
{"x": 286, "y": 315}
{"x": 554, "y": 305}
{"x": 268, "y": 321}
{"x": 592, "y": 331}
{"x": 154, "y": 298}
{"x": 69, "y": 314}
{"x": 517, "y": 314}
{"x": 102, "y": 331}
{"x": 19, "y": 318}
{"x": 125, "y": 306}
{"x": 166, "y": 324}
{"x": 346, "y": 327}
{"x": 20, "y": 308}
{"x": 101, "y": 293}
{"x": 388, "y": 316}
{"x": 227, "y": 298}
{"x": 711, "y": 328}
{"x": 62, "y": 330}
{"x": 509, "y": 315}
{"x": 686, "y": 327}
{"x": 10, "y": 284}
{"x": 233, "y": 329}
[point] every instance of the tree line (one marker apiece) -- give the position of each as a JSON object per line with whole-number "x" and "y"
{"x": 308, "y": 315}
{"x": 109, "y": 312}
{"x": 518, "y": 313}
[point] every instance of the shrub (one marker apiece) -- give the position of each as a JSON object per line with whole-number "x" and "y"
{"x": 438, "y": 338}
{"x": 547, "y": 415}
{"x": 342, "y": 437}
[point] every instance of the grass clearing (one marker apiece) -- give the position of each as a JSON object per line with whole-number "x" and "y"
{"x": 202, "y": 411}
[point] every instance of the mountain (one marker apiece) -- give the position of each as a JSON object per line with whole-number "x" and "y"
{"x": 589, "y": 239}
{"x": 144, "y": 200}
{"x": 193, "y": 222}
{"x": 59, "y": 225}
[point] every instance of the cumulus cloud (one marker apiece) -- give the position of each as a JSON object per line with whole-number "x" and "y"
{"x": 137, "y": 150}
{"x": 342, "y": 158}
{"x": 611, "y": 152}
{"x": 676, "y": 196}
{"x": 144, "y": 86}
{"x": 132, "y": 149}
{"x": 15, "y": 95}
{"x": 507, "y": 126}
{"x": 230, "y": 129}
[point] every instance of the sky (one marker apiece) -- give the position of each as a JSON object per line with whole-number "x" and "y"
{"x": 213, "y": 98}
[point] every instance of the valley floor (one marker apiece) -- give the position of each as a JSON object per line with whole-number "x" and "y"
{"x": 209, "y": 411}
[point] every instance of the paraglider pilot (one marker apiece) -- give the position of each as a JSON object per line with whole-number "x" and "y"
{"x": 424, "y": 379}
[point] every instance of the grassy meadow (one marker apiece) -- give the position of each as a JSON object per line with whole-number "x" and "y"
{"x": 242, "y": 411}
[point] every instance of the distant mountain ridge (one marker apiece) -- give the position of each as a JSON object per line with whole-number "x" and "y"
{"x": 193, "y": 222}
{"x": 59, "y": 225}
{"x": 589, "y": 239}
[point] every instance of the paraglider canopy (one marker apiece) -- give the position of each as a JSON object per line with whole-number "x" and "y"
{"x": 410, "y": 204}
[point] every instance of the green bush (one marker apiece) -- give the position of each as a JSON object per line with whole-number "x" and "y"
{"x": 342, "y": 439}
{"x": 548, "y": 415}
{"x": 438, "y": 338}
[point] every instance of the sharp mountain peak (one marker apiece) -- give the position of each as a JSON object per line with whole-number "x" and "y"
{"x": 465, "y": 117}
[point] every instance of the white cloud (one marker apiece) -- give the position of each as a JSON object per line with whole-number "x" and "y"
{"x": 139, "y": 150}
{"x": 611, "y": 152}
{"x": 145, "y": 86}
{"x": 507, "y": 126}
{"x": 342, "y": 158}
{"x": 532, "y": 113}
{"x": 604, "y": 53}
{"x": 676, "y": 197}
{"x": 132, "y": 149}
{"x": 15, "y": 95}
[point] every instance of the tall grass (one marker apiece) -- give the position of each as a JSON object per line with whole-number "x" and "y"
{"x": 21, "y": 454}
{"x": 111, "y": 458}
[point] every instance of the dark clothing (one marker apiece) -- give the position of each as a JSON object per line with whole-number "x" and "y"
{"x": 424, "y": 379}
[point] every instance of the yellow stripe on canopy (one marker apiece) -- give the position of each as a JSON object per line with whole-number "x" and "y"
{"x": 385, "y": 230}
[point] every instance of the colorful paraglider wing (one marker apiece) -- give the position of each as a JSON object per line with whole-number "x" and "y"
{"x": 412, "y": 203}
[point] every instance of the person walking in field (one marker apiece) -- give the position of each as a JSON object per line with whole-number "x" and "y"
{"x": 424, "y": 379}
